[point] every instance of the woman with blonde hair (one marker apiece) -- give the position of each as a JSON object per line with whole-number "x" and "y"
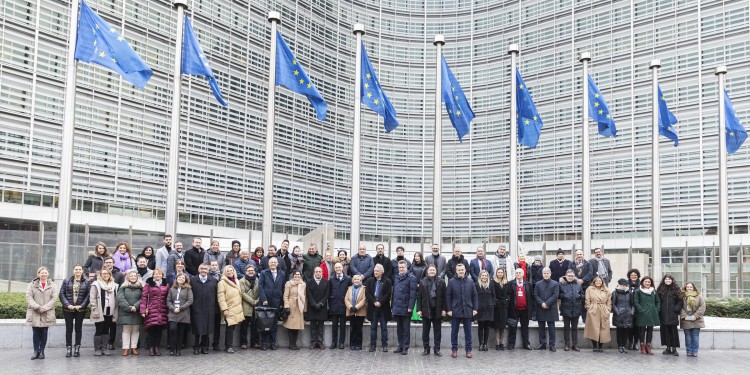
{"x": 598, "y": 308}
{"x": 295, "y": 302}
{"x": 41, "y": 294}
{"x": 498, "y": 283}
{"x": 486, "y": 311}
{"x": 178, "y": 304}
{"x": 129, "y": 300}
{"x": 103, "y": 300}
{"x": 230, "y": 304}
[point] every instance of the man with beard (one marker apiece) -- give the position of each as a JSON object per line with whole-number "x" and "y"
{"x": 559, "y": 266}
{"x": 283, "y": 255}
{"x": 163, "y": 253}
{"x": 272, "y": 254}
{"x": 399, "y": 257}
{"x": 383, "y": 260}
{"x": 436, "y": 259}
{"x": 311, "y": 260}
{"x": 450, "y": 266}
{"x": 194, "y": 257}
{"x": 502, "y": 260}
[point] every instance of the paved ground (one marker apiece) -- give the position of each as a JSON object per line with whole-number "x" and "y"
{"x": 283, "y": 361}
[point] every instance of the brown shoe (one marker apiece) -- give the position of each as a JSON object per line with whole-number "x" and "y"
{"x": 468, "y": 355}
{"x": 125, "y": 352}
{"x": 567, "y": 348}
{"x": 243, "y": 346}
{"x": 454, "y": 354}
{"x": 322, "y": 346}
{"x": 134, "y": 351}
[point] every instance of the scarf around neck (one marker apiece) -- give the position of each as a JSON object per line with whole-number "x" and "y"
{"x": 692, "y": 301}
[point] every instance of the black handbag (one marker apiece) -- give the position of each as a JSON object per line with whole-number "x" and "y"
{"x": 510, "y": 322}
{"x": 284, "y": 314}
{"x": 264, "y": 317}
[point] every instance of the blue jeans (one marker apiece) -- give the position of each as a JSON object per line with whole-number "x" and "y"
{"x": 39, "y": 338}
{"x": 550, "y": 329}
{"x": 691, "y": 340}
{"x": 455, "y": 324}
{"x": 378, "y": 316}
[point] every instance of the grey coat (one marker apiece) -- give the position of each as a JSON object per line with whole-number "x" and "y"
{"x": 185, "y": 297}
{"x": 439, "y": 262}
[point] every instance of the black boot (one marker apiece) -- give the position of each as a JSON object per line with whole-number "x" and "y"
{"x": 41, "y": 354}
{"x": 68, "y": 351}
{"x": 35, "y": 356}
{"x": 77, "y": 351}
{"x": 293, "y": 339}
{"x": 426, "y": 350}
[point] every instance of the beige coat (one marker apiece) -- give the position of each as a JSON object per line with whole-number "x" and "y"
{"x": 361, "y": 302}
{"x": 598, "y": 308}
{"x": 230, "y": 299}
{"x": 97, "y": 304}
{"x": 295, "y": 299}
{"x": 44, "y": 299}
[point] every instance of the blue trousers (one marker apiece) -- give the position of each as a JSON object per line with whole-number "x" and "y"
{"x": 692, "y": 337}
{"x": 39, "y": 338}
{"x": 403, "y": 330}
{"x": 378, "y": 316}
{"x": 550, "y": 329}
{"x": 455, "y": 324}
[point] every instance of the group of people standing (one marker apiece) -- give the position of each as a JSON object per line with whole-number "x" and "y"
{"x": 195, "y": 290}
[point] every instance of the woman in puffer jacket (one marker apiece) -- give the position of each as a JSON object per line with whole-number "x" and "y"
{"x": 74, "y": 296}
{"x": 154, "y": 309}
{"x": 622, "y": 313}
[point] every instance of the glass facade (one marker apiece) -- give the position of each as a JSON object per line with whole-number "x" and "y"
{"x": 121, "y": 137}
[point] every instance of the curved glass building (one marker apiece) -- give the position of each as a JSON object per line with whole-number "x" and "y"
{"x": 121, "y": 137}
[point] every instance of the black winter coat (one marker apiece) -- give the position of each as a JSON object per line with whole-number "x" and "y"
{"x": 585, "y": 273}
{"x": 93, "y": 264}
{"x": 384, "y": 297}
{"x": 623, "y": 311}
{"x": 423, "y": 298}
{"x": 546, "y": 291}
{"x": 204, "y": 305}
{"x": 66, "y": 293}
{"x": 317, "y": 294}
{"x": 337, "y": 294}
{"x": 386, "y": 263}
{"x": 486, "y": 299}
{"x": 450, "y": 267}
{"x": 193, "y": 258}
{"x": 670, "y": 305}
{"x": 571, "y": 298}
{"x": 501, "y": 304}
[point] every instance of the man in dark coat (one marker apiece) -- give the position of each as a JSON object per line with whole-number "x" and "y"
{"x": 361, "y": 263}
{"x": 571, "y": 307}
{"x": 271, "y": 285}
{"x": 462, "y": 302}
{"x": 479, "y": 264}
{"x": 273, "y": 254}
{"x": 317, "y": 292}
{"x": 378, "y": 292}
{"x": 431, "y": 307}
{"x": 520, "y": 301}
{"x": 559, "y": 265}
{"x": 600, "y": 266}
{"x": 283, "y": 255}
{"x": 546, "y": 293}
{"x": 311, "y": 260}
{"x": 450, "y": 268}
{"x": 203, "y": 309}
{"x": 404, "y": 298}
{"x": 383, "y": 260}
{"x": 584, "y": 273}
{"x": 399, "y": 257}
{"x": 194, "y": 257}
{"x": 336, "y": 308}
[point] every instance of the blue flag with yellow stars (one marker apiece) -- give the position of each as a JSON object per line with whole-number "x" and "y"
{"x": 736, "y": 133}
{"x": 459, "y": 110}
{"x": 194, "y": 61}
{"x": 373, "y": 95}
{"x": 666, "y": 119}
{"x": 99, "y": 43}
{"x": 599, "y": 111}
{"x": 289, "y": 73}
{"x": 529, "y": 121}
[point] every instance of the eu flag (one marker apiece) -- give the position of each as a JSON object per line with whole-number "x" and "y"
{"x": 373, "y": 95}
{"x": 101, "y": 44}
{"x": 459, "y": 109}
{"x": 736, "y": 133}
{"x": 599, "y": 111}
{"x": 666, "y": 119}
{"x": 194, "y": 61}
{"x": 289, "y": 73}
{"x": 529, "y": 121}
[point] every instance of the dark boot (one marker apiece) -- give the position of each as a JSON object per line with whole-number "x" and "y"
{"x": 35, "y": 356}
{"x": 293, "y": 339}
{"x": 68, "y": 351}
{"x": 97, "y": 346}
{"x": 41, "y": 354}
{"x": 77, "y": 351}
{"x": 104, "y": 346}
{"x": 674, "y": 352}
{"x": 426, "y": 350}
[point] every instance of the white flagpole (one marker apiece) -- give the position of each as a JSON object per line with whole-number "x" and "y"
{"x": 721, "y": 72}
{"x": 584, "y": 58}
{"x": 275, "y": 19}
{"x": 437, "y": 172}
{"x": 359, "y": 31}
{"x": 655, "y": 173}
{"x": 513, "y": 189}
{"x": 66, "y": 158}
{"x": 173, "y": 170}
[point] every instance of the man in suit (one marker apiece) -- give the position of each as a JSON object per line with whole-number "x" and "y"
{"x": 378, "y": 290}
{"x": 479, "y": 264}
{"x": 600, "y": 266}
{"x": 271, "y": 284}
{"x": 519, "y": 305}
{"x": 318, "y": 291}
